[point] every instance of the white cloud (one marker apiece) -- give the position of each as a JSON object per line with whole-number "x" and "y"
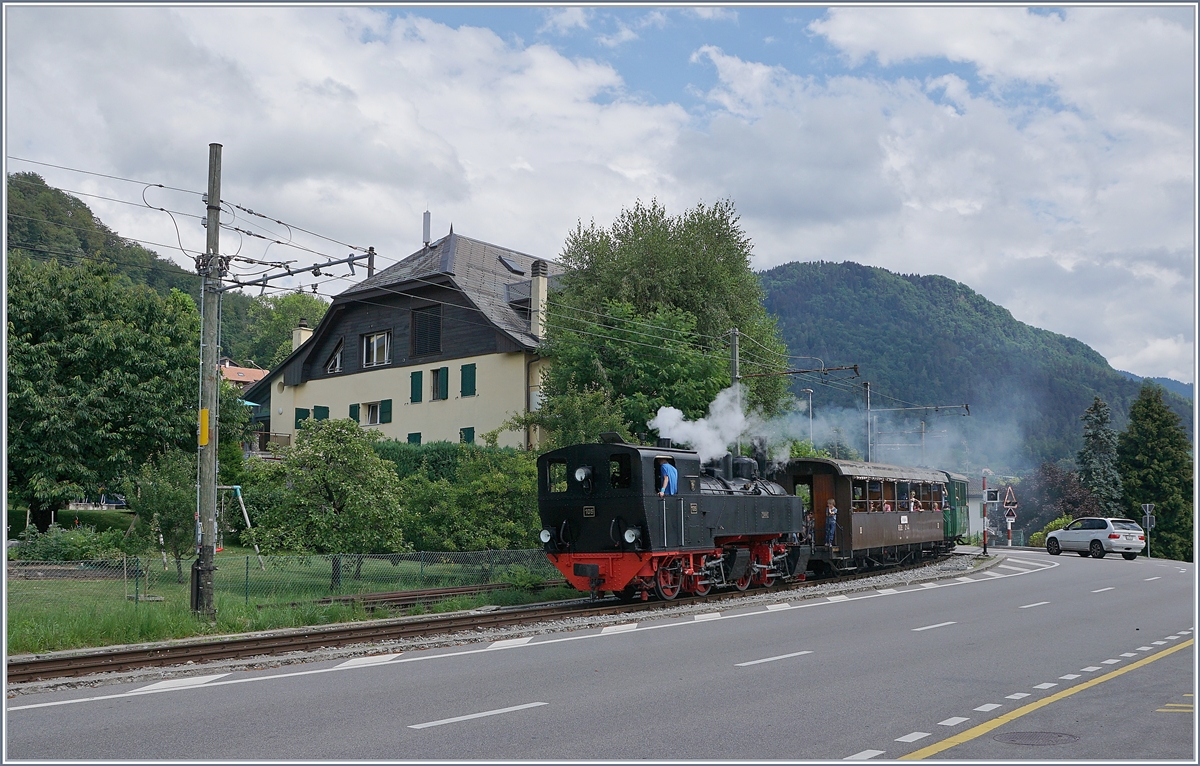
{"x": 1074, "y": 209}
{"x": 712, "y": 13}
{"x": 563, "y": 20}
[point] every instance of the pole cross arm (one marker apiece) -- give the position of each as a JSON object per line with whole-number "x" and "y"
{"x": 290, "y": 272}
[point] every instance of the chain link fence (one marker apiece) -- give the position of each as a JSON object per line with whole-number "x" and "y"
{"x": 266, "y": 580}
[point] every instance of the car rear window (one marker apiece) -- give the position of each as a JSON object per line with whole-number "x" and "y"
{"x": 1129, "y": 525}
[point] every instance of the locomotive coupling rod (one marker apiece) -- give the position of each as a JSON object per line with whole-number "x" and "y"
{"x": 822, "y": 370}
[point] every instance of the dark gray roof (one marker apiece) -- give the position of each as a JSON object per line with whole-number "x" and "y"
{"x": 475, "y": 268}
{"x": 861, "y": 470}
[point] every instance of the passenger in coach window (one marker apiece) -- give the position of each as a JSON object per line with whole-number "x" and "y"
{"x": 887, "y": 507}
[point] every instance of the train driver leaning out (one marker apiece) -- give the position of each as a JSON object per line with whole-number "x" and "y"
{"x": 670, "y": 478}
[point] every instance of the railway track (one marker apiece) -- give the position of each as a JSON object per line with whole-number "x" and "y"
{"x": 35, "y": 668}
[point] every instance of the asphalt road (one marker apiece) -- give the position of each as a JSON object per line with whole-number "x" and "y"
{"x": 1042, "y": 658}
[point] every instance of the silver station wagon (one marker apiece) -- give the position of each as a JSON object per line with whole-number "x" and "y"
{"x": 1098, "y": 537}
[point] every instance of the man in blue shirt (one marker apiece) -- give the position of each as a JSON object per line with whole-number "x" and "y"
{"x": 670, "y": 478}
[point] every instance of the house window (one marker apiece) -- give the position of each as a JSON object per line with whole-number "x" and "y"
{"x": 335, "y": 361}
{"x": 320, "y": 413}
{"x": 302, "y": 414}
{"x": 373, "y": 414}
{"x": 354, "y": 413}
{"x": 468, "y": 380}
{"x": 377, "y": 412}
{"x": 414, "y": 438}
{"x": 440, "y": 378}
{"x": 377, "y": 349}
{"x": 466, "y": 435}
{"x": 427, "y": 330}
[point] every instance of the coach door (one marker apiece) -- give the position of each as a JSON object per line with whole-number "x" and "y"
{"x": 822, "y": 493}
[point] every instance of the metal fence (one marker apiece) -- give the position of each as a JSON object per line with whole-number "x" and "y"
{"x": 266, "y": 580}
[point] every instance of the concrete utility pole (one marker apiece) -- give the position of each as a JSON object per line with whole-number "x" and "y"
{"x": 211, "y": 267}
{"x": 809, "y": 391}
{"x": 867, "y": 386}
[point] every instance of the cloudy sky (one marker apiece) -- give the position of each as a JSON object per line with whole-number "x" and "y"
{"x": 1043, "y": 157}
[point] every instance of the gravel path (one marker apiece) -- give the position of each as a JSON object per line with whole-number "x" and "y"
{"x": 955, "y": 566}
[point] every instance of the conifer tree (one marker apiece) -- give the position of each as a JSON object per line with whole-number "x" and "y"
{"x": 1098, "y": 458}
{"x": 1155, "y": 462}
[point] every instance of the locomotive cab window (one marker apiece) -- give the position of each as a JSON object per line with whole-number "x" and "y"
{"x": 556, "y": 476}
{"x": 620, "y": 472}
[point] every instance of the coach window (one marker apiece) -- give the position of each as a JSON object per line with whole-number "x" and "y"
{"x": 859, "y": 503}
{"x": 620, "y": 472}
{"x": 889, "y": 496}
{"x": 875, "y": 495}
{"x": 556, "y": 476}
{"x": 902, "y": 495}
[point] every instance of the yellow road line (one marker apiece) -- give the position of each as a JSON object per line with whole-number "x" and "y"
{"x": 995, "y": 723}
{"x": 1172, "y": 710}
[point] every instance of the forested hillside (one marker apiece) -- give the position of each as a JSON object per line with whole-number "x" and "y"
{"x": 931, "y": 340}
{"x": 47, "y": 224}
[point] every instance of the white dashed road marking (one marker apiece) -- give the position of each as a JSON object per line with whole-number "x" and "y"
{"x": 913, "y": 737}
{"x": 955, "y": 721}
{"x": 1172, "y": 638}
{"x": 370, "y": 659}
{"x": 1090, "y": 669}
{"x": 773, "y": 607}
{"x": 1148, "y": 579}
{"x": 964, "y": 579}
{"x": 931, "y": 627}
{"x": 930, "y": 585}
{"x": 707, "y": 616}
{"x": 1029, "y": 606}
{"x": 1129, "y": 654}
{"x": 510, "y": 642}
{"x": 838, "y": 598}
{"x": 1069, "y": 677}
{"x": 885, "y": 590}
{"x": 1158, "y": 643}
{"x": 1144, "y": 648}
{"x": 1046, "y": 685}
{"x": 1017, "y": 696}
{"x": 456, "y": 719}
{"x": 990, "y": 573}
{"x": 622, "y": 628}
{"x": 1109, "y": 662}
{"x": 179, "y": 683}
{"x": 1015, "y": 569}
{"x": 770, "y": 659}
{"x": 863, "y": 756}
{"x": 1101, "y": 590}
{"x": 989, "y": 707}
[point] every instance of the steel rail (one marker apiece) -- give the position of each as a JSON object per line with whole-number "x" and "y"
{"x": 33, "y": 668}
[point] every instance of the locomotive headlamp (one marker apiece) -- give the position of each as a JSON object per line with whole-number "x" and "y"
{"x": 632, "y": 535}
{"x": 583, "y": 473}
{"x": 545, "y": 535}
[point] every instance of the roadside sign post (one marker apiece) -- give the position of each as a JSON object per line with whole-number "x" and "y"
{"x": 1148, "y": 524}
{"x": 1010, "y": 516}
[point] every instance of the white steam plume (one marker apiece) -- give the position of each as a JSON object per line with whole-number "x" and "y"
{"x": 709, "y": 436}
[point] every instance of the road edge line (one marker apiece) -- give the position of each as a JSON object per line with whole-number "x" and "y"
{"x": 983, "y": 728}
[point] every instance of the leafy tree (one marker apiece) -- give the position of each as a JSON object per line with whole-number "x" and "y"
{"x": 163, "y": 493}
{"x": 689, "y": 274}
{"x": 1053, "y": 492}
{"x": 1098, "y": 459}
{"x": 101, "y": 376}
{"x": 1038, "y": 539}
{"x": 490, "y": 503}
{"x": 573, "y": 416}
{"x": 272, "y": 319}
{"x": 233, "y": 429}
{"x": 1155, "y": 462}
{"x": 330, "y": 493}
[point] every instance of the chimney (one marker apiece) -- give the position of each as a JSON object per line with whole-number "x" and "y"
{"x": 301, "y": 334}
{"x": 425, "y": 228}
{"x": 538, "y": 289}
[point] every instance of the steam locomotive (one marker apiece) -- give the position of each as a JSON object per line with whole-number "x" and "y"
{"x": 605, "y": 527}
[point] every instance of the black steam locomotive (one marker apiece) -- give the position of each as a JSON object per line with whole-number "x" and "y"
{"x": 606, "y": 529}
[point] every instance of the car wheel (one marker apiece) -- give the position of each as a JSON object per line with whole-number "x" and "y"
{"x": 1052, "y": 547}
{"x": 1097, "y": 549}
{"x": 1129, "y": 556}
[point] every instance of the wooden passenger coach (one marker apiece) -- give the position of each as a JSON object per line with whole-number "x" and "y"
{"x": 886, "y": 514}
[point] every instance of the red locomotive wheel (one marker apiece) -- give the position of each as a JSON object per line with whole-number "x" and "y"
{"x": 668, "y": 580}
{"x": 743, "y": 582}
{"x": 701, "y": 585}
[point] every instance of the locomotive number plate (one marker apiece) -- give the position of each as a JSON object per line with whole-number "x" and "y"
{"x": 695, "y": 507}
{"x": 589, "y": 511}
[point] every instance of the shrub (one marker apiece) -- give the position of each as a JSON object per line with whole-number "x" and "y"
{"x": 1038, "y": 539}
{"x": 59, "y": 544}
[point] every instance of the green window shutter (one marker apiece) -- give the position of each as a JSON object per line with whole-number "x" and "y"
{"x": 414, "y": 438}
{"x": 354, "y": 413}
{"x": 468, "y": 380}
{"x": 416, "y": 387}
{"x": 444, "y": 383}
{"x": 385, "y": 411}
{"x": 301, "y": 414}
{"x": 466, "y": 435}
{"x": 320, "y": 413}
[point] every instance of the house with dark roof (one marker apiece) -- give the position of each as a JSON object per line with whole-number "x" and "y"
{"x": 441, "y": 346}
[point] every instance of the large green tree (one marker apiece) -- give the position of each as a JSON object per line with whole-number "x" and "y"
{"x": 272, "y": 319}
{"x": 1098, "y": 458}
{"x": 101, "y": 376}
{"x": 1155, "y": 462}
{"x": 645, "y": 310}
{"x": 163, "y": 495}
